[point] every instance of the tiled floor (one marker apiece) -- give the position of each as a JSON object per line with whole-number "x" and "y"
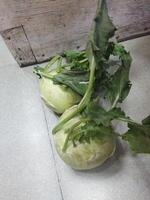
{"x": 29, "y": 166}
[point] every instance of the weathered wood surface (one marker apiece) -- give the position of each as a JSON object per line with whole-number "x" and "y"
{"x": 50, "y": 26}
{"x": 17, "y": 41}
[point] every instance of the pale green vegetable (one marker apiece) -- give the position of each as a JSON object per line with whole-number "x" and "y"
{"x": 83, "y": 156}
{"x": 57, "y": 97}
{"x": 84, "y": 136}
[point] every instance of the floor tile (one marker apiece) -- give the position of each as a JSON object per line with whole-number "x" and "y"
{"x": 6, "y": 57}
{"x": 27, "y": 168}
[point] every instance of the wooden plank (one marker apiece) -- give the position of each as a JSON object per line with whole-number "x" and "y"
{"x": 19, "y": 46}
{"x": 14, "y": 13}
{"x": 52, "y": 26}
{"x": 128, "y": 32}
{"x": 68, "y": 29}
{"x": 131, "y": 17}
{"x": 58, "y": 31}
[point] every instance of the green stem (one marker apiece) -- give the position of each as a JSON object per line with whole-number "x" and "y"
{"x": 66, "y": 142}
{"x": 130, "y": 121}
{"x": 46, "y": 75}
{"x": 51, "y": 62}
{"x": 68, "y": 135}
{"x": 84, "y": 60}
{"x": 88, "y": 93}
{"x": 83, "y": 102}
{"x": 115, "y": 102}
{"x": 59, "y": 65}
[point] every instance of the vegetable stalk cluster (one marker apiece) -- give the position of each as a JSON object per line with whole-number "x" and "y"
{"x": 84, "y": 136}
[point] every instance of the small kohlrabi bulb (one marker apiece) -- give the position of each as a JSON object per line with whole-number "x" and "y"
{"x": 57, "y": 97}
{"x": 83, "y": 156}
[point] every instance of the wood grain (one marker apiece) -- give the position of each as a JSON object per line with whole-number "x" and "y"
{"x": 65, "y": 29}
{"x": 19, "y": 46}
{"x": 55, "y": 25}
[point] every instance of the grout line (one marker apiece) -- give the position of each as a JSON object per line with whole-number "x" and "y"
{"x": 57, "y": 174}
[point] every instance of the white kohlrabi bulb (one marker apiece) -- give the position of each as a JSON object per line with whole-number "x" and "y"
{"x": 57, "y": 97}
{"x": 84, "y": 155}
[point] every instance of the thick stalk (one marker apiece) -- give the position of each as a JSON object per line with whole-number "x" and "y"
{"x": 45, "y": 75}
{"x": 84, "y": 100}
{"x": 130, "y": 121}
{"x": 115, "y": 102}
{"x": 51, "y": 62}
{"x": 68, "y": 135}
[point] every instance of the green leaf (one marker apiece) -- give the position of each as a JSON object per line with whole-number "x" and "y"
{"x": 98, "y": 41}
{"x": 74, "y": 55}
{"x": 92, "y": 131}
{"x": 38, "y": 70}
{"x": 138, "y": 137}
{"x": 77, "y": 82}
{"x": 102, "y": 29}
{"x": 76, "y": 60}
{"x": 44, "y": 71}
{"x": 146, "y": 121}
{"x": 99, "y": 115}
{"x": 120, "y": 85}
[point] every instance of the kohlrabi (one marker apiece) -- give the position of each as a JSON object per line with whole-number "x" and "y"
{"x": 57, "y": 96}
{"x": 81, "y": 155}
{"x": 84, "y": 135}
